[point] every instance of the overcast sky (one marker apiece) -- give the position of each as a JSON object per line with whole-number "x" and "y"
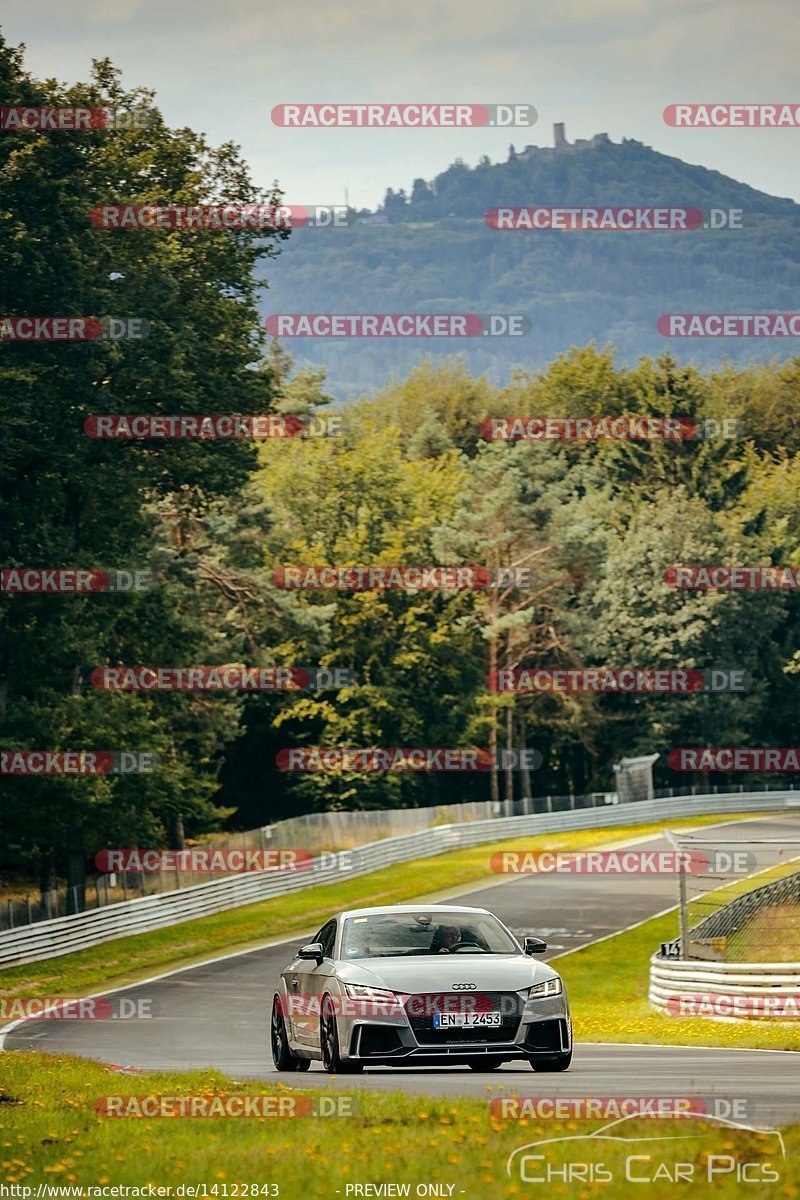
{"x": 597, "y": 65}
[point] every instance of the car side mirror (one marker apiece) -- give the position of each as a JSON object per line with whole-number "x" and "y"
{"x": 312, "y": 950}
{"x": 534, "y": 945}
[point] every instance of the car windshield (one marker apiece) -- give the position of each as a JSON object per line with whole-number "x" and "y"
{"x": 389, "y": 935}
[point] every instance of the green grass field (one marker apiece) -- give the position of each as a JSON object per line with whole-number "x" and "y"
{"x": 772, "y": 935}
{"x": 50, "y": 1133}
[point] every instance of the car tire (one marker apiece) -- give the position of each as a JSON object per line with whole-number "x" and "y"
{"x": 282, "y": 1055}
{"x": 332, "y": 1060}
{"x": 560, "y": 1063}
{"x": 481, "y": 1065}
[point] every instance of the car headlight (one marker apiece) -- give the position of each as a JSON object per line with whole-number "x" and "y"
{"x": 550, "y": 987}
{"x": 358, "y": 991}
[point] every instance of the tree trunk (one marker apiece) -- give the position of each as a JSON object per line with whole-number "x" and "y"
{"x": 494, "y": 781}
{"x": 47, "y": 870}
{"x": 76, "y": 870}
{"x": 509, "y": 770}
{"x": 527, "y": 795}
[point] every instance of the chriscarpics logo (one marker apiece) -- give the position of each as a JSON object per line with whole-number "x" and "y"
{"x": 607, "y": 1155}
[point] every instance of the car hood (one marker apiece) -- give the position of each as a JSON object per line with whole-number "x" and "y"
{"x": 438, "y": 972}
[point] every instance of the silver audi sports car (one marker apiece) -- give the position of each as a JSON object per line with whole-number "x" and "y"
{"x": 416, "y": 984}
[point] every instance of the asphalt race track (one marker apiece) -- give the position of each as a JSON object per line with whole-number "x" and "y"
{"x": 217, "y": 1014}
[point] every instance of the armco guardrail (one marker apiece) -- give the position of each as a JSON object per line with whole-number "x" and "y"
{"x": 63, "y": 935}
{"x": 315, "y": 833}
{"x": 676, "y": 985}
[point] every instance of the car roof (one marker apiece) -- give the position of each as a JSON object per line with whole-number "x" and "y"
{"x": 387, "y": 909}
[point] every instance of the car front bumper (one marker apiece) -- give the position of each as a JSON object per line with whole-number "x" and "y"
{"x": 542, "y": 1029}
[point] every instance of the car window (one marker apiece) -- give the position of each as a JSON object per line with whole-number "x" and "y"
{"x": 389, "y": 935}
{"x": 327, "y": 936}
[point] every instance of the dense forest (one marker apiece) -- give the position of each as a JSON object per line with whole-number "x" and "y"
{"x": 410, "y": 480}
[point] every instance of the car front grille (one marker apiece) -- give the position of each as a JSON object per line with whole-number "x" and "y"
{"x": 420, "y": 1010}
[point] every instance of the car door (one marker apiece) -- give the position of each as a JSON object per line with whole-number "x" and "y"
{"x": 307, "y": 980}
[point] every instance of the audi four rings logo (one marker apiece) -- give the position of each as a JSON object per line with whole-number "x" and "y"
{"x": 464, "y": 987}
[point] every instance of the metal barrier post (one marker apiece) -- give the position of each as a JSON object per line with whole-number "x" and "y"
{"x": 683, "y": 924}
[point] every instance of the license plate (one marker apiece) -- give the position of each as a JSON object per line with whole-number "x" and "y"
{"x": 465, "y": 1020}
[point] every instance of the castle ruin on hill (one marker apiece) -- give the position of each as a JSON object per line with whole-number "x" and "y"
{"x": 562, "y": 146}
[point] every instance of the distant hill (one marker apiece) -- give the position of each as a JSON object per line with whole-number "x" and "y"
{"x": 432, "y": 251}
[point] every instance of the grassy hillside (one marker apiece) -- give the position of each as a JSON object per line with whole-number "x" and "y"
{"x": 439, "y": 255}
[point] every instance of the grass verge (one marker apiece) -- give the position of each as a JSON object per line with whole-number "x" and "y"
{"x": 125, "y": 960}
{"x": 50, "y": 1133}
{"x": 769, "y": 936}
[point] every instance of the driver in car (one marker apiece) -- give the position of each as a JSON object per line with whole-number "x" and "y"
{"x": 449, "y": 936}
